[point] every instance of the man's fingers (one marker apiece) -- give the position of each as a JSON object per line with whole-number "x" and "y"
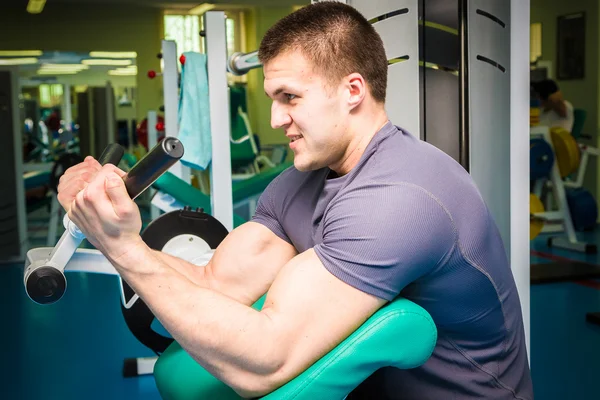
{"x": 85, "y": 172}
{"x": 68, "y": 194}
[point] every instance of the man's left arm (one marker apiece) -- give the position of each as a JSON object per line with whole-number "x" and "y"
{"x": 308, "y": 311}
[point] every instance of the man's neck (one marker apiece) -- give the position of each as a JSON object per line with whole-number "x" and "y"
{"x": 362, "y": 132}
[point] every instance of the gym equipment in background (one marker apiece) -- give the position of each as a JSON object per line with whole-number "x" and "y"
{"x": 562, "y": 217}
{"x": 541, "y": 159}
{"x": 583, "y": 209}
{"x": 566, "y": 151}
{"x": 535, "y": 224}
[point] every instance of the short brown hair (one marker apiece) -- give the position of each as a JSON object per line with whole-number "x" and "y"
{"x": 336, "y": 38}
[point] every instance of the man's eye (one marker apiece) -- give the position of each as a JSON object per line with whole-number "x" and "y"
{"x": 290, "y": 96}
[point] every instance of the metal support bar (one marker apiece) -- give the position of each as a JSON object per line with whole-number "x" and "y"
{"x": 216, "y": 50}
{"x": 171, "y": 99}
{"x": 240, "y": 63}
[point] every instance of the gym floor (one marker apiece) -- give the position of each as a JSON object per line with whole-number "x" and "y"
{"x": 75, "y": 348}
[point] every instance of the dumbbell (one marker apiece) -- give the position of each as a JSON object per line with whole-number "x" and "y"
{"x": 45, "y": 281}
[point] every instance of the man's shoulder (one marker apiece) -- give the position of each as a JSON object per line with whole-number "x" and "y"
{"x": 291, "y": 184}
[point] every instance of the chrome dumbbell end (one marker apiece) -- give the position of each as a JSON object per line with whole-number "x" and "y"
{"x": 44, "y": 283}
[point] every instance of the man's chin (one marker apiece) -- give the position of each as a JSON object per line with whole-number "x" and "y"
{"x": 304, "y": 166}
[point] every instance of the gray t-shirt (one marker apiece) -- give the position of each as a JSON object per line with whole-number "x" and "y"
{"x": 408, "y": 220}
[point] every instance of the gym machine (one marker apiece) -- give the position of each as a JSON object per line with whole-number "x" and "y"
{"x": 489, "y": 63}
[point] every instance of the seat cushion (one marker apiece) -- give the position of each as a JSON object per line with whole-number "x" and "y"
{"x": 401, "y": 334}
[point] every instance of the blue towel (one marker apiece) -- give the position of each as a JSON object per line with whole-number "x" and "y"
{"x": 194, "y": 112}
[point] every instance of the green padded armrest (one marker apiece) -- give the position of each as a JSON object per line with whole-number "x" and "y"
{"x": 187, "y": 194}
{"x": 401, "y": 334}
{"x": 258, "y": 183}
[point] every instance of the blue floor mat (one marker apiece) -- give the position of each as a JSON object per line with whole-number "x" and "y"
{"x": 73, "y": 349}
{"x": 540, "y": 244}
{"x": 565, "y": 349}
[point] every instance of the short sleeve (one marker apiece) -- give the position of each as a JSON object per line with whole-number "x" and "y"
{"x": 381, "y": 237}
{"x": 266, "y": 212}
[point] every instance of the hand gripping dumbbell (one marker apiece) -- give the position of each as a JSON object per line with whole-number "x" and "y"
{"x": 44, "y": 278}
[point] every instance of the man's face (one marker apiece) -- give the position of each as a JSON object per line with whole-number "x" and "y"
{"x": 310, "y": 113}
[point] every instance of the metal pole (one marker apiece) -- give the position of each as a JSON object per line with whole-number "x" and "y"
{"x": 216, "y": 50}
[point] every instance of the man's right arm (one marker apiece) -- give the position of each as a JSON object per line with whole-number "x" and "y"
{"x": 243, "y": 266}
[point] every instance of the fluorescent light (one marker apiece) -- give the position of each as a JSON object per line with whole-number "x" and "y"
{"x": 64, "y": 67}
{"x": 113, "y": 54}
{"x": 35, "y": 6}
{"x": 201, "y": 9}
{"x": 117, "y": 72}
{"x": 19, "y": 61}
{"x": 21, "y": 53}
{"x": 99, "y": 61}
{"x": 131, "y": 70}
{"x": 57, "y": 72}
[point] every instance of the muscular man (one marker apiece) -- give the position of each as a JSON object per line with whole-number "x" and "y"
{"x": 367, "y": 213}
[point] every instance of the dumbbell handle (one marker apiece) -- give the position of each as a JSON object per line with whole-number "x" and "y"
{"x": 112, "y": 154}
{"x": 45, "y": 282}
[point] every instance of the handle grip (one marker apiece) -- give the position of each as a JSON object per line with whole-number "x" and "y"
{"x": 158, "y": 160}
{"x": 112, "y": 154}
{"x": 45, "y": 281}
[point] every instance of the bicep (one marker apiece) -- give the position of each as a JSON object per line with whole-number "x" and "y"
{"x": 312, "y": 312}
{"x": 246, "y": 263}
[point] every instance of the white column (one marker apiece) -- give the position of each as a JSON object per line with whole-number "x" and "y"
{"x": 220, "y": 183}
{"x": 519, "y": 155}
{"x": 171, "y": 100}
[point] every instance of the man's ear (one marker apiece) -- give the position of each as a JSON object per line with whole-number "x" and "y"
{"x": 357, "y": 89}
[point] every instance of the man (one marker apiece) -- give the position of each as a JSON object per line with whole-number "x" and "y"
{"x": 367, "y": 213}
{"x": 555, "y": 110}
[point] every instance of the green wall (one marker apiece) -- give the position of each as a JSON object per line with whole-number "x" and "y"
{"x": 83, "y": 28}
{"x": 582, "y": 93}
{"x": 258, "y": 21}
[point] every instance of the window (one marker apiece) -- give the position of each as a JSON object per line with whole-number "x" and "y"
{"x": 535, "y": 44}
{"x": 51, "y": 95}
{"x": 184, "y": 31}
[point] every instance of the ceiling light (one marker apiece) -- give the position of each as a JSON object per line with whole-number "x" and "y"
{"x": 117, "y": 72}
{"x": 113, "y": 54}
{"x": 21, "y": 53}
{"x": 19, "y": 61}
{"x": 99, "y": 61}
{"x": 77, "y": 67}
{"x": 57, "y": 72}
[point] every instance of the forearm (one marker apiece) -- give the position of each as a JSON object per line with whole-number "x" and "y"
{"x": 192, "y": 272}
{"x": 240, "y": 350}
{"x": 202, "y": 277}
